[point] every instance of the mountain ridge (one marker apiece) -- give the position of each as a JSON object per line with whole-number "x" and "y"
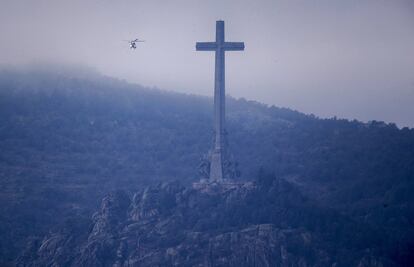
{"x": 66, "y": 141}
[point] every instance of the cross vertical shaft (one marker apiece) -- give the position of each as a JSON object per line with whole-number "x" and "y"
{"x": 219, "y": 87}
{"x": 219, "y": 46}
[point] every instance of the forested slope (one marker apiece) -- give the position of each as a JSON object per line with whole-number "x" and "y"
{"x": 68, "y": 139}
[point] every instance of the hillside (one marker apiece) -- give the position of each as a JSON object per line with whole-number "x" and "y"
{"x": 67, "y": 139}
{"x": 258, "y": 224}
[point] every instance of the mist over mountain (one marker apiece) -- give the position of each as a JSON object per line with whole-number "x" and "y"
{"x": 68, "y": 137}
{"x": 351, "y": 59}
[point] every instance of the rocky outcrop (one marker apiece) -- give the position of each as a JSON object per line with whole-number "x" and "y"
{"x": 170, "y": 225}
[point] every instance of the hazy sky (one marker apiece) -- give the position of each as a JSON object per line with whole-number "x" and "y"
{"x": 351, "y": 59}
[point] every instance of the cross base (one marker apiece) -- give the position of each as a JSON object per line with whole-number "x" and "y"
{"x": 216, "y": 166}
{"x": 224, "y": 185}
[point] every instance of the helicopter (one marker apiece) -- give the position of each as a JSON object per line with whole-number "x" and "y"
{"x": 133, "y": 43}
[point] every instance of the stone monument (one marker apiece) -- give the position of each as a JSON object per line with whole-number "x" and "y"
{"x": 218, "y": 163}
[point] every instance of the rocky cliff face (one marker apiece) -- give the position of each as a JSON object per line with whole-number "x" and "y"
{"x": 268, "y": 224}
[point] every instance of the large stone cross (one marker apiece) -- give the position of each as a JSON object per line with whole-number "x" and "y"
{"x": 219, "y": 46}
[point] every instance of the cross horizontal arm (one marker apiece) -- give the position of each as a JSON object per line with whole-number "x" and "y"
{"x": 233, "y": 46}
{"x": 206, "y": 46}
